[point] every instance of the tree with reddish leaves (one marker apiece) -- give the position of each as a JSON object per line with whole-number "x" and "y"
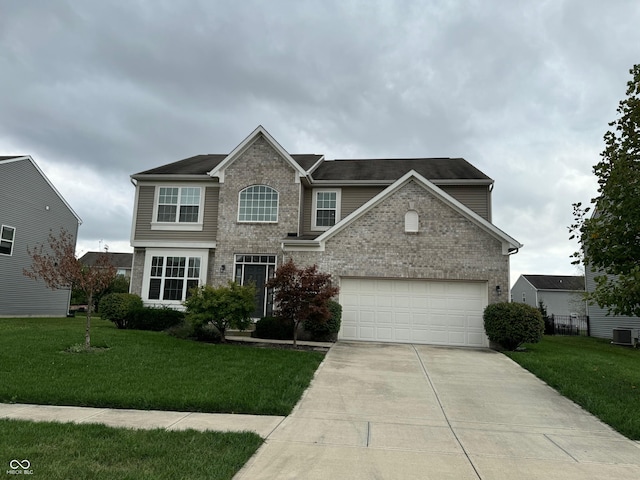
{"x": 58, "y": 267}
{"x": 301, "y": 294}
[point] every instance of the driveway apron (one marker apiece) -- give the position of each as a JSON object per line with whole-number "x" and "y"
{"x": 399, "y": 411}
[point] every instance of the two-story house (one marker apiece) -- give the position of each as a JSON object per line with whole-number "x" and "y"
{"x": 30, "y": 209}
{"x": 409, "y": 242}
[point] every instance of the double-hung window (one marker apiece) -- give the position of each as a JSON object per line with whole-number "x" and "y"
{"x": 7, "y": 238}
{"x": 178, "y": 205}
{"x": 258, "y": 203}
{"x": 326, "y": 209}
{"x": 171, "y": 277}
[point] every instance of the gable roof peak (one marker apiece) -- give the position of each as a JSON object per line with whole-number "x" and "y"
{"x": 260, "y": 131}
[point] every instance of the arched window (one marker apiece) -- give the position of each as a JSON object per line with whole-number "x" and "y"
{"x": 258, "y": 203}
{"x": 411, "y": 222}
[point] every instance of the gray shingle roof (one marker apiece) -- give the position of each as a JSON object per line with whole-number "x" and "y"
{"x": 202, "y": 164}
{"x": 118, "y": 260}
{"x": 376, "y": 169}
{"x": 556, "y": 282}
{"x": 392, "y": 169}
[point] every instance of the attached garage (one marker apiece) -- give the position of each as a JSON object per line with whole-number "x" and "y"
{"x": 413, "y": 311}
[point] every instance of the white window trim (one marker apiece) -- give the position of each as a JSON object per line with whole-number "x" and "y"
{"x": 184, "y": 226}
{"x": 13, "y": 240}
{"x": 258, "y": 221}
{"x": 314, "y": 207}
{"x": 156, "y": 252}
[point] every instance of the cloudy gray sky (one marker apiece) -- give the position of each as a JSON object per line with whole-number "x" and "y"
{"x": 97, "y": 90}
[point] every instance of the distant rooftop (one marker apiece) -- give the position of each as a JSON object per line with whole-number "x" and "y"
{"x": 118, "y": 260}
{"x": 556, "y": 282}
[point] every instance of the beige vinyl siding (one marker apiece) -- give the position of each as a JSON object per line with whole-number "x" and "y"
{"x": 354, "y": 197}
{"x": 351, "y": 199}
{"x": 477, "y": 198}
{"x": 144, "y": 217}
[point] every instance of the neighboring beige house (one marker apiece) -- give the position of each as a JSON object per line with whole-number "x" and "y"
{"x": 409, "y": 242}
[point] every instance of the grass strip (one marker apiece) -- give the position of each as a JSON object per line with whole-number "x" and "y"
{"x": 64, "y": 450}
{"x": 602, "y": 378}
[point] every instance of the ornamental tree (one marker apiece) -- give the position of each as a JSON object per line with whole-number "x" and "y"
{"x": 610, "y": 238}
{"x": 58, "y": 267}
{"x": 302, "y": 294}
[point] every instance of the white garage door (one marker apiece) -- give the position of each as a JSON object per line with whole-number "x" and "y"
{"x": 413, "y": 311}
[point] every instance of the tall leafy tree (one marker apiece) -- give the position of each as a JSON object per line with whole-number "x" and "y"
{"x": 610, "y": 238}
{"x": 302, "y": 294}
{"x": 58, "y": 267}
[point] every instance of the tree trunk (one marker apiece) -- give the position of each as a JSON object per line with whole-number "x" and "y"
{"x": 295, "y": 334}
{"x": 87, "y": 331}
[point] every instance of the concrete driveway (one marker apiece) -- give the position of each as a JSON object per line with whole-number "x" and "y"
{"x": 392, "y": 411}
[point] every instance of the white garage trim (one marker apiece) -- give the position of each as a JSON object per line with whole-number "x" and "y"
{"x": 413, "y": 311}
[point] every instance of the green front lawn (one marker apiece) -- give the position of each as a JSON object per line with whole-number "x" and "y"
{"x": 604, "y": 379}
{"x": 64, "y": 450}
{"x": 146, "y": 370}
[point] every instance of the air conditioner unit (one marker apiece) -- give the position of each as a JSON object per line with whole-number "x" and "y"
{"x": 625, "y": 336}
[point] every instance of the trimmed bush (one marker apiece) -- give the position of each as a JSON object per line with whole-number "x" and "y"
{"x": 274, "y": 328}
{"x": 326, "y": 331}
{"x": 117, "y": 307}
{"x": 512, "y": 324}
{"x": 154, "y": 319}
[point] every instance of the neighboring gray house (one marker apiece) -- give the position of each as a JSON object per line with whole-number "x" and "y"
{"x": 122, "y": 261}
{"x": 601, "y": 324}
{"x": 561, "y": 294}
{"x": 30, "y": 208}
{"x": 409, "y": 242}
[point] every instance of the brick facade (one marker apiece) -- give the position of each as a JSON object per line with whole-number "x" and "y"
{"x": 447, "y": 246}
{"x": 260, "y": 164}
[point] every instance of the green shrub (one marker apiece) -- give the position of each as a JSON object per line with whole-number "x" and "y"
{"x": 326, "y": 331}
{"x": 274, "y": 328}
{"x": 183, "y": 330}
{"x": 512, "y": 324}
{"x": 117, "y": 307}
{"x": 223, "y": 307}
{"x": 155, "y": 319}
{"x": 207, "y": 332}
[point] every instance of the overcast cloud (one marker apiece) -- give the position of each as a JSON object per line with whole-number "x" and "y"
{"x": 95, "y": 91}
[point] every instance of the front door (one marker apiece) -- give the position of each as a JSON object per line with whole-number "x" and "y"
{"x": 256, "y": 275}
{"x": 257, "y": 270}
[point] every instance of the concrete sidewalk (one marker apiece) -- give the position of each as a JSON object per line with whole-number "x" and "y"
{"x": 420, "y": 412}
{"x": 143, "y": 419}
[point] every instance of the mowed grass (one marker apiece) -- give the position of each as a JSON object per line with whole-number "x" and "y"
{"x": 146, "y": 370}
{"x": 63, "y": 450}
{"x": 602, "y": 378}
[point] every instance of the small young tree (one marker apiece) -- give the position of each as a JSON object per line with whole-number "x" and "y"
{"x": 302, "y": 294}
{"x": 224, "y": 307}
{"x": 59, "y": 268}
